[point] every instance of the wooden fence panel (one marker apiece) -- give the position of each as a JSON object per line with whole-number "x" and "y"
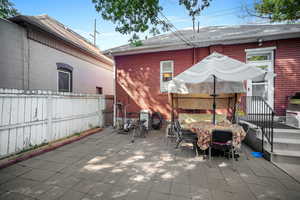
{"x": 29, "y": 118}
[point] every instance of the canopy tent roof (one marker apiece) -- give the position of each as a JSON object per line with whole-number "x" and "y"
{"x": 230, "y": 75}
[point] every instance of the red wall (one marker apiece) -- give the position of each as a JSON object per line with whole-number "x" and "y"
{"x": 138, "y": 76}
{"x": 287, "y": 68}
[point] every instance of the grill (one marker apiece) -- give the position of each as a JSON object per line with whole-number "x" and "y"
{"x": 293, "y": 111}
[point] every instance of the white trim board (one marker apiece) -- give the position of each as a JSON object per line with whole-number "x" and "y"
{"x": 260, "y": 49}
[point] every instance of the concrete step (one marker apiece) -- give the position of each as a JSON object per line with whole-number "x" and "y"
{"x": 286, "y": 156}
{"x": 286, "y": 144}
{"x": 287, "y": 133}
{"x": 284, "y": 150}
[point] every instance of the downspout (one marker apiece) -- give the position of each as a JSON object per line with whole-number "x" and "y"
{"x": 115, "y": 92}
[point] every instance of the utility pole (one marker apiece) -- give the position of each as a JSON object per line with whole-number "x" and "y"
{"x": 193, "y": 23}
{"x": 94, "y": 36}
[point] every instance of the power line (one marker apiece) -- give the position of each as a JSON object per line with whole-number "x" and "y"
{"x": 218, "y": 15}
{"x": 223, "y": 12}
{"x": 179, "y": 34}
{"x": 228, "y": 9}
{"x": 182, "y": 37}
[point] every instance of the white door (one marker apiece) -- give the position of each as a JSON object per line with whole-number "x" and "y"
{"x": 262, "y": 86}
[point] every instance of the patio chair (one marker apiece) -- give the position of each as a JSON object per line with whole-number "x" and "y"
{"x": 170, "y": 133}
{"x": 184, "y": 135}
{"x": 222, "y": 140}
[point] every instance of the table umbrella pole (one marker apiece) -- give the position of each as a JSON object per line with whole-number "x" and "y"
{"x": 214, "y": 101}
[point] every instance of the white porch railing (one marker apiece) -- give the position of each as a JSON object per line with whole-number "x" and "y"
{"x": 29, "y": 118}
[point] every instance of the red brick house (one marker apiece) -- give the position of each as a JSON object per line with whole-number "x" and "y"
{"x": 142, "y": 72}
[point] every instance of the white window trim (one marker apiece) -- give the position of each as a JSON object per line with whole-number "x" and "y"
{"x": 161, "y": 72}
{"x": 260, "y": 50}
{"x": 63, "y": 71}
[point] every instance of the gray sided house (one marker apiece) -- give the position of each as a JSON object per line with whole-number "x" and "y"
{"x": 39, "y": 53}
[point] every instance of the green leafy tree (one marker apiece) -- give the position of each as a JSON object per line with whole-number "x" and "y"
{"x": 7, "y": 9}
{"x": 278, "y": 10}
{"x": 138, "y": 16}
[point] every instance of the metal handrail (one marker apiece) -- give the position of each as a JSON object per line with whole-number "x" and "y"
{"x": 258, "y": 112}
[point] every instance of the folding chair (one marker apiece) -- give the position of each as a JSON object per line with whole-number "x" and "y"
{"x": 170, "y": 133}
{"x": 222, "y": 140}
{"x": 186, "y": 136}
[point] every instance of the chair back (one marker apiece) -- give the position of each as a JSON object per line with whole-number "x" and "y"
{"x": 221, "y": 136}
{"x": 176, "y": 125}
{"x": 177, "y": 128}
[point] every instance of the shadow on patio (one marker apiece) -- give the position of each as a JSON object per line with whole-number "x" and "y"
{"x": 107, "y": 166}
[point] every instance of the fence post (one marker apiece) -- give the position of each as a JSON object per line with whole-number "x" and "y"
{"x": 49, "y": 130}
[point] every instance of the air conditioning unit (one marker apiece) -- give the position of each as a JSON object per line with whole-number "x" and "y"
{"x": 293, "y": 118}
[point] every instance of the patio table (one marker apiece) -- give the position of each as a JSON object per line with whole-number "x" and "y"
{"x": 204, "y": 131}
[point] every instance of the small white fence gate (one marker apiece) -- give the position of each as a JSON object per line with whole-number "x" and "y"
{"x": 29, "y": 118}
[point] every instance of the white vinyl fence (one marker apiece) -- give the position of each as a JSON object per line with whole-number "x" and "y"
{"x": 29, "y": 118}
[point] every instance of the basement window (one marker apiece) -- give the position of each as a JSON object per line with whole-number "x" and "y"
{"x": 99, "y": 90}
{"x": 166, "y": 74}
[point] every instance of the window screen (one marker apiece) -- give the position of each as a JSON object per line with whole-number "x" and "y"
{"x": 259, "y": 57}
{"x": 166, "y": 74}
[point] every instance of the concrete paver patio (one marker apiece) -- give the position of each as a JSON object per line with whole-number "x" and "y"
{"x": 107, "y": 166}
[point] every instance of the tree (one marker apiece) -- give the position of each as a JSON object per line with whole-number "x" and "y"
{"x": 277, "y": 10}
{"x": 7, "y": 9}
{"x": 139, "y": 16}
{"x": 194, "y": 8}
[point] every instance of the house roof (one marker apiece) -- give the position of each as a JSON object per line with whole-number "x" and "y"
{"x": 212, "y": 35}
{"x": 57, "y": 29}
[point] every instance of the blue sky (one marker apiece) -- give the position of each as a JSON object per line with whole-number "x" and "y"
{"x": 79, "y": 15}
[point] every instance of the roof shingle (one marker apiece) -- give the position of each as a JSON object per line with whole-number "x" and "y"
{"x": 212, "y": 35}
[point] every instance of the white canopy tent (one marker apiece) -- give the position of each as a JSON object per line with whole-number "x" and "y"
{"x": 229, "y": 76}
{"x": 216, "y": 74}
